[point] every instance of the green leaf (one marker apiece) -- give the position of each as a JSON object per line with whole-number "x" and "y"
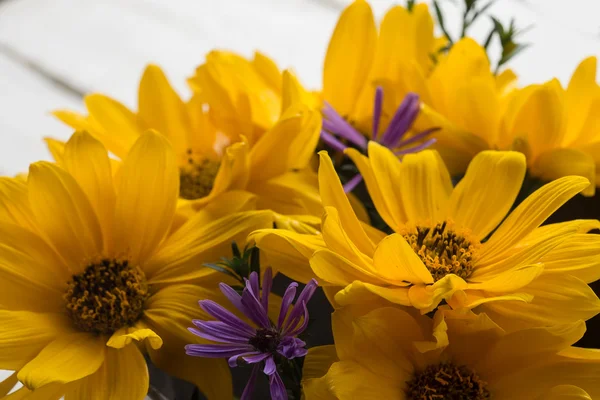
{"x": 223, "y": 270}
{"x": 440, "y": 18}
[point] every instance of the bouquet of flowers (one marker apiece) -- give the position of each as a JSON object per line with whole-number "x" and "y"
{"x": 385, "y": 237}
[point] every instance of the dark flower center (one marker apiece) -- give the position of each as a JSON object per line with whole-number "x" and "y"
{"x": 196, "y": 179}
{"x": 446, "y": 381}
{"x": 265, "y": 340}
{"x": 106, "y": 296}
{"x": 443, "y": 251}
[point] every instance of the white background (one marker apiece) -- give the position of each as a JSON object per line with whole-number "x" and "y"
{"x": 52, "y": 49}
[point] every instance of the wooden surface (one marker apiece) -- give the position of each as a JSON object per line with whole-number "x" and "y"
{"x": 52, "y": 51}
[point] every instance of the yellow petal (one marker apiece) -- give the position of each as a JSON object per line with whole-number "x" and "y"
{"x": 288, "y": 252}
{"x": 509, "y": 280}
{"x": 541, "y": 118}
{"x": 14, "y": 203}
{"x": 349, "y": 380}
{"x": 361, "y": 292}
{"x": 119, "y": 128}
{"x": 161, "y": 108}
{"x": 32, "y": 277}
{"x": 24, "y": 334}
{"x": 56, "y": 149}
{"x": 427, "y": 297}
{"x": 123, "y": 375}
{"x": 211, "y": 376}
{"x": 579, "y": 95}
{"x": 529, "y": 215}
{"x": 395, "y": 260}
{"x": 556, "y": 300}
{"x": 334, "y": 269}
{"x": 332, "y": 194}
{"x": 349, "y": 56}
{"x": 202, "y": 136}
{"x": 318, "y": 360}
{"x": 87, "y": 161}
{"x": 148, "y": 186}
{"x": 293, "y": 92}
{"x": 126, "y": 335}
{"x": 556, "y": 163}
{"x": 48, "y": 392}
{"x": 75, "y": 120}
{"x": 474, "y": 197}
{"x": 268, "y": 70}
{"x": 578, "y": 255}
{"x": 565, "y": 392}
{"x": 66, "y": 359}
{"x": 64, "y": 213}
{"x": 196, "y": 242}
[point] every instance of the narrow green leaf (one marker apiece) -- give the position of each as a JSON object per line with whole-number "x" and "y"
{"x": 223, "y": 270}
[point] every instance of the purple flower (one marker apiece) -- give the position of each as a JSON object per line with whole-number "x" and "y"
{"x": 262, "y": 343}
{"x": 393, "y": 137}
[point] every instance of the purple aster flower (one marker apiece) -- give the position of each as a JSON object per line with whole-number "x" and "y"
{"x": 264, "y": 341}
{"x": 393, "y": 137}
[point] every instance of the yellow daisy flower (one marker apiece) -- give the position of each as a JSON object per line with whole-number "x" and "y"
{"x": 212, "y": 164}
{"x": 457, "y": 244}
{"x": 389, "y": 354}
{"x": 557, "y": 129}
{"x": 91, "y": 278}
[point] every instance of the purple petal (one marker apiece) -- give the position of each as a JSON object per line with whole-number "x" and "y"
{"x": 256, "y": 357}
{"x": 377, "y": 111}
{"x": 222, "y": 329}
{"x": 266, "y": 287}
{"x": 299, "y": 307}
{"x": 278, "y": 391}
{"x": 253, "y": 283}
{"x": 416, "y": 149}
{"x": 254, "y": 309}
{"x": 233, "y": 296}
{"x": 335, "y": 124}
{"x": 293, "y": 327}
{"x": 351, "y": 184}
{"x": 249, "y": 389}
{"x": 217, "y": 350}
{"x": 332, "y": 141}
{"x": 286, "y": 301}
{"x": 418, "y": 137}
{"x": 222, "y": 314}
{"x": 219, "y": 337}
{"x": 270, "y": 366}
{"x": 291, "y": 347}
{"x": 403, "y": 119}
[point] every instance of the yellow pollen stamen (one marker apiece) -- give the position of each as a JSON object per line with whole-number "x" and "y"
{"x": 196, "y": 179}
{"x": 443, "y": 250}
{"x": 106, "y": 296}
{"x": 446, "y": 381}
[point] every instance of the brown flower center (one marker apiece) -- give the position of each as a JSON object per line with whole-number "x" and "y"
{"x": 196, "y": 179}
{"x": 443, "y": 251}
{"x": 265, "y": 340}
{"x": 447, "y": 381}
{"x": 106, "y": 296}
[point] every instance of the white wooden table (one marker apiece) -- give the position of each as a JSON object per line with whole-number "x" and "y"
{"x": 51, "y": 51}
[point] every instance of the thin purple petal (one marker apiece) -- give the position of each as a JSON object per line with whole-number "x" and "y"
{"x": 352, "y": 183}
{"x": 254, "y": 309}
{"x": 218, "y": 337}
{"x": 377, "y": 111}
{"x": 270, "y": 366}
{"x": 222, "y": 314}
{"x": 292, "y": 347}
{"x": 266, "y": 288}
{"x": 416, "y": 149}
{"x": 286, "y": 301}
{"x": 402, "y": 120}
{"x": 332, "y": 141}
{"x": 335, "y": 124}
{"x": 299, "y": 307}
{"x": 278, "y": 391}
{"x": 418, "y": 137}
{"x": 221, "y": 328}
{"x": 249, "y": 389}
{"x": 217, "y": 350}
{"x": 256, "y": 357}
{"x": 293, "y": 326}
{"x": 233, "y": 296}
{"x": 253, "y": 284}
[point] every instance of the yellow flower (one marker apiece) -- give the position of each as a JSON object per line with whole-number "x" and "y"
{"x": 389, "y": 354}
{"x": 91, "y": 278}
{"x": 453, "y": 244}
{"x": 359, "y": 59}
{"x": 212, "y": 164}
{"x": 557, "y": 129}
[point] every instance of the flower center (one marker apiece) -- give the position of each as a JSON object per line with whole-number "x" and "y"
{"x": 443, "y": 251}
{"x": 446, "y": 381}
{"x": 265, "y": 340}
{"x": 196, "y": 179}
{"x": 106, "y": 296}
